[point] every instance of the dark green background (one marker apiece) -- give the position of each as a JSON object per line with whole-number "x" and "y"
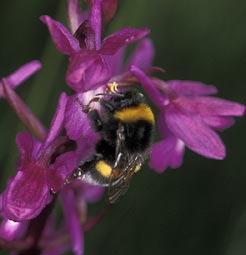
{"x": 199, "y": 208}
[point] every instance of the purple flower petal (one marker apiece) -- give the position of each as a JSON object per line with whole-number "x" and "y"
{"x": 77, "y": 122}
{"x": 115, "y": 62}
{"x": 192, "y": 88}
{"x": 86, "y": 70}
{"x": 143, "y": 55}
{"x": 25, "y": 146}
{"x": 176, "y": 159}
{"x": 36, "y": 148}
{"x": 211, "y": 106}
{"x": 86, "y": 146}
{"x": 57, "y": 121}
{"x": 162, "y": 125}
{"x": 92, "y": 193}
{"x": 21, "y": 74}
{"x": 166, "y": 153}
{"x": 23, "y": 113}
{"x": 10, "y": 230}
{"x": 123, "y": 37}
{"x": 75, "y": 15}
{"x": 219, "y": 123}
{"x": 194, "y": 132}
{"x": 72, "y": 220}
{"x": 63, "y": 40}
{"x": 96, "y": 21}
{"x": 61, "y": 169}
{"x": 27, "y": 194}
{"x": 148, "y": 86}
{"x": 65, "y": 164}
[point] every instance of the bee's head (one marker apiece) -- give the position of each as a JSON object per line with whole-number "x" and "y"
{"x": 127, "y": 98}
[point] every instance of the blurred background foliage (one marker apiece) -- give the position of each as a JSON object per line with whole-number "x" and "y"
{"x": 199, "y": 208}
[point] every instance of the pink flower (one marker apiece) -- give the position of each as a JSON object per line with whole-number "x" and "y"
{"x": 92, "y": 61}
{"x": 189, "y": 116}
{"x": 38, "y": 173}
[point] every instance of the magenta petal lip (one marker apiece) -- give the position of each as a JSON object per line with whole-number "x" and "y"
{"x": 26, "y": 195}
{"x": 166, "y": 153}
{"x": 194, "y": 132}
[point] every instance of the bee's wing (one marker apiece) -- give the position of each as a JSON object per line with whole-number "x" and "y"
{"x": 123, "y": 169}
{"x": 119, "y": 185}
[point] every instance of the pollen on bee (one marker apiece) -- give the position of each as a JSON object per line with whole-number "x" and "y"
{"x": 112, "y": 87}
{"x": 137, "y": 168}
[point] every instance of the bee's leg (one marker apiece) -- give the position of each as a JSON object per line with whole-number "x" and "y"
{"x": 86, "y": 108}
{"x": 96, "y": 119}
{"x": 92, "y": 113}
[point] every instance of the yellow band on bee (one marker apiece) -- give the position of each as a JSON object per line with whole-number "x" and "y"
{"x": 131, "y": 114}
{"x": 103, "y": 168}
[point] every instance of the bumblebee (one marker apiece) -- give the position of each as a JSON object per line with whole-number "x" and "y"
{"x": 125, "y": 128}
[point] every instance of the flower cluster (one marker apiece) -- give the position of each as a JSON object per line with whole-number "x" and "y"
{"x": 189, "y": 115}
